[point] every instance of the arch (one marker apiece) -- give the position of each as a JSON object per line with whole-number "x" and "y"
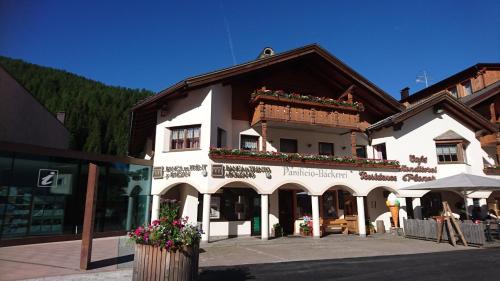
{"x": 293, "y": 182}
{"x": 174, "y": 184}
{"x": 344, "y": 186}
{"x": 388, "y": 188}
{"x": 232, "y": 181}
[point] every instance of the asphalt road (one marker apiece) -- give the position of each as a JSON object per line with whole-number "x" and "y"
{"x": 476, "y": 265}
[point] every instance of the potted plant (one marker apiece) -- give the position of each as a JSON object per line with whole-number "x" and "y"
{"x": 306, "y": 226}
{"x": 168, "y": 247}
{"x": 370, "y": 228}
{"x": 278, "y": 230}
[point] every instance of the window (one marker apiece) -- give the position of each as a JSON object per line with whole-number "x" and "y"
{"x": 330, "y": 208}
{"x": 249, "y": 142}
{"x": 326, "y": 148}
{"x": 449, "y": 152}
{"x": 467, "y": 88}
{"x": 185, "y": 137}
{"x": 454, "y": 91}
{"x": 288, "y": 145}
{"x": 361, "y": 151}
{"x": 379, "y": 151}
{"x": 221, "y": 138}
{"x": 304, "y": 206}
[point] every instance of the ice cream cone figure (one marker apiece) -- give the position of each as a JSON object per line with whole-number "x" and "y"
{"x": 393, "y": 204}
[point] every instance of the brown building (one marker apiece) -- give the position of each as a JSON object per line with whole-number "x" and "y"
{"x": 477, "y": 87}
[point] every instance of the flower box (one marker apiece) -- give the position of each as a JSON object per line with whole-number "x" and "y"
{"x": 300, "y": 159}
{"x": 305, "y": 100}
{"x": 153, "y": 263}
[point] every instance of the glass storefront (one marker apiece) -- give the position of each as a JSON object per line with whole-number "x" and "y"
{"x": 45, "y": 196}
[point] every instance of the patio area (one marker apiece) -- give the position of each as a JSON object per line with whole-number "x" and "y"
{"x": 112, "y": 254}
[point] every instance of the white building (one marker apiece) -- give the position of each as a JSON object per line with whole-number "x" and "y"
{"x": 300, "y": 133}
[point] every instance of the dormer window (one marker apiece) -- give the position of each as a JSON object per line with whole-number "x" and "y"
{"x": 450, "y": 148}
{"x": 467, "y": 88}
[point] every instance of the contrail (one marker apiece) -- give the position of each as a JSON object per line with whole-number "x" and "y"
{"x": 228, "y": 32}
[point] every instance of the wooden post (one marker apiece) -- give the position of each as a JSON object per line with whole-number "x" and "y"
{"x": 493, "y": 114}
{"x": 89, "y": 215}
{"x": 264, "y": 136}
{"x": 353, "y": 144}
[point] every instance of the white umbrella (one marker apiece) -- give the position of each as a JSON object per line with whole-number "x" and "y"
{"x": 462, "y": 183}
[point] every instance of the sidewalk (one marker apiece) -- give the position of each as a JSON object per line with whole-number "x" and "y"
{"x": 116, "y": 254}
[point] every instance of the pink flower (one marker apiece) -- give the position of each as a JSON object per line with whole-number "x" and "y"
{"x": 139, "y": 230}
{"x": 155, "y": 223}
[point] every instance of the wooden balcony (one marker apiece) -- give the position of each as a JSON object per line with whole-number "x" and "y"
{"x": 279, "y": 109}
{"x": 490, "y": 140}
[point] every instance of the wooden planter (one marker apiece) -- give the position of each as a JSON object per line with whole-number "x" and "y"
{"x": 153, "y": 264}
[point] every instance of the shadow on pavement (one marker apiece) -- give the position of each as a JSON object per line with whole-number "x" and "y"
{"x": 111, "y": 261}
{"x": 234, "y": 274}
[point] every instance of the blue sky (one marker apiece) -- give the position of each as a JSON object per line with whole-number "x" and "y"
{"x": 157, "y": 43}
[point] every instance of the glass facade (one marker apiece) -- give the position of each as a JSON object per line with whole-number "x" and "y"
{"x": 45, "y": 196}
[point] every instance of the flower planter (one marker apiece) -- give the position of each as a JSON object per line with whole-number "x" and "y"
{"x": 154, "y": 264}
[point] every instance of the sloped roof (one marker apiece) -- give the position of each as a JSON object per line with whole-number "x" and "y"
{"x": 451, "y": 104}
{"x": 482, "y": 95}
{"x": 225, "y": 73}
{"x": 449, "y": 81}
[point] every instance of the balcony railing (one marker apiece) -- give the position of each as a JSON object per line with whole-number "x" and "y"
{"x": 304, "y": 109}
{"x": 296, "y": 158}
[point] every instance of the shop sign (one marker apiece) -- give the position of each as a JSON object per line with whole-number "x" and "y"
{"x": 47, "y": 178}
{"x": 179, "y": 171}
{"x": 376, "y": 177}
{"x": 310, "y": 172}
{"x": 413, "y": 172}
{"x": 239, "y": 171}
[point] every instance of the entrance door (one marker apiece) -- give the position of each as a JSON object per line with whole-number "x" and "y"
{"x": 256, "y": 216}
{"x": 286, "y": 211}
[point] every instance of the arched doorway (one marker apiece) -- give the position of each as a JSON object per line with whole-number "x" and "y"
{"x": 338, "y": 211}
{"x": 377, "y": 210}
{"x": 186, "y": 197}
{"x": 234, "y": 211}
{"x": 289, "y": 203}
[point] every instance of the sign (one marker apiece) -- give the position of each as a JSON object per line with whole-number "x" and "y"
{"x": 178, "y": 171}
{"x": 47, "y": 178}
{"x": 157, "y": 172}
{"x": 376, "y": 177}
{"x": 413, "y": 172}
{"x": 310, "y": 172}
{"x": 214, "y": 207}
{"x": 239, "y": 171}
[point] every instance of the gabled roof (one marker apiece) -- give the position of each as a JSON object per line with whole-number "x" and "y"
{"x": 449, "y": 81}
{"x": 223, "y": 74}
{"x": 448, "y": 103}
{"x": 449, "y": 135}
{"x": 482, "y": 95}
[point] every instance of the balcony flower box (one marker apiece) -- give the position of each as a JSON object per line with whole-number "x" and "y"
{"x": 300, "y": 159}
{"x": 492, "y": 170}
{"x": 300, "y": 99}
{"x": 167, "y": 249}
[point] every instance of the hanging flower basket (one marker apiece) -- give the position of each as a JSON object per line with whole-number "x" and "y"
{"x": 167, "y": 249}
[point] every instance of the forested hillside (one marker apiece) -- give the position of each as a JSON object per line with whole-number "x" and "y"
{"x": 97, "y": 115}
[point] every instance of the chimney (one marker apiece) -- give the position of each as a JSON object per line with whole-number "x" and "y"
{"x": 61, "y": 115}
{"x": 267, "y": 52}
{"x": 405, "y": 93}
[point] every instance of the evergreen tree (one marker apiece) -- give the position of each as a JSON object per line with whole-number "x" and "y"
{"x": 97, "y": 115}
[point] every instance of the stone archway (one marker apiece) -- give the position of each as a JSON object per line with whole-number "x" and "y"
{"x": 376, "y": 209}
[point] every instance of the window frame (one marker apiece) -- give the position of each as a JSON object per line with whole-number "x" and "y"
{"x": 453, "y": 93}
{"x": 326, "y": 143}
{"x": 460, "y": 151}
{"x": 185, "y": 139}
{"x": 291, "y": 140}
{"x": 364, "y": 149}
{"x": 257, "y": 138}
{"x": 464, "y": 87}
{"x": 384, "y": 152}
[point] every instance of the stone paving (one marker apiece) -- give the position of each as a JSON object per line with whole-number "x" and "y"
{"x": 112, "y": 257}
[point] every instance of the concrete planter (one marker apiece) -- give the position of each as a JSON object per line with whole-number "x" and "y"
{"x": 155, "y": 264}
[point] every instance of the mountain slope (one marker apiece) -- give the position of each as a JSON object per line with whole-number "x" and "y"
{"x": 97, "y": 115}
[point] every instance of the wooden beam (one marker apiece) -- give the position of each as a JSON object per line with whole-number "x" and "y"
{"x": 353, "y": 144}
{"x": 347, "y": 93}
{"x": 264, "y": 136}
{"x": 493, "y": 114}
{"x": 89, "y": 216}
